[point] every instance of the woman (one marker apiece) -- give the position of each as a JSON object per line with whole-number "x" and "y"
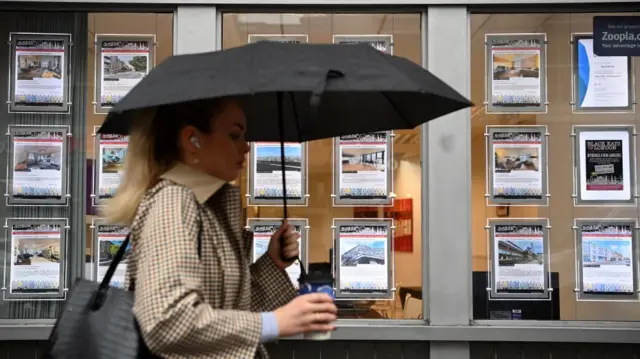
{"x": 196, "y": 294}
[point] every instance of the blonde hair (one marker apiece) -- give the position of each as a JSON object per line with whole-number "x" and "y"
{"x": 153, "y": 149}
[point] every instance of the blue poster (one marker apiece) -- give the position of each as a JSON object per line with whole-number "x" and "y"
{"x": 602, "y": 82}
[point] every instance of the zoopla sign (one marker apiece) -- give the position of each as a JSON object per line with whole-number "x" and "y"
{"x": 616, "y": 35}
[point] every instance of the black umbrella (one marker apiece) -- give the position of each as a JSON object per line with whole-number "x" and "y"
{"x": 297, "y": 92}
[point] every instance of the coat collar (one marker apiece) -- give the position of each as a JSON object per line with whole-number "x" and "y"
{"x": 203, "y": 185}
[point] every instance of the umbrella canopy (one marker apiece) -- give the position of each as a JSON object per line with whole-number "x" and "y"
{"x": 317, "y": 90}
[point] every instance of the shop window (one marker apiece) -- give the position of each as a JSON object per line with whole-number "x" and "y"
{"x": 379, "y": 262}
{"x": 123, "y": 47}
{"x": 554, "y": 185}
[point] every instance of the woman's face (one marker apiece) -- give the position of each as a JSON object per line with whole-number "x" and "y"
{"x": 223, "y": 151}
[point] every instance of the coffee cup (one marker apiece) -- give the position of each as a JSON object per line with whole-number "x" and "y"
{"x": 317, "y": 282}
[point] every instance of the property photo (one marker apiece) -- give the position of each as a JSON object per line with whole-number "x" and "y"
{"x": 30, "y": 251}
{"x": 39, "y": 67}
{"x": 362, "y": 252}
{"x": 108, "y": 250}
{"x": 268, "y": 158}
{"x": 597, "y": 253}
{"x": 509, "y": 159}
{"x": 124, "y": 67}
{"x": 520, "y": 253}
{"x": 362, "y": 159}
{"x": 28, "y": 158}
{"x": 508, "y": 65}
{"x": 113, "y": 159}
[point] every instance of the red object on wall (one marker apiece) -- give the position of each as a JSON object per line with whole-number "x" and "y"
{"x": 402, "y": 214}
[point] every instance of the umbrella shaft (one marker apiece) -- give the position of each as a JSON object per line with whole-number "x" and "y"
{"x": 282, "y": 158}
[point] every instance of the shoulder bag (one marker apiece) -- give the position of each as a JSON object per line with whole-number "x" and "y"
{"x": 98, "y": 320}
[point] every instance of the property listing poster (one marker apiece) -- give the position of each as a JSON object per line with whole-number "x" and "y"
{"x": 110, "y": 239}
{"x": 40, "y": 72}
{"x": 605, "y": 173}
{"x": 267, "y": 165}
{"x": 124, "y": 64}
{"x": 519, "y": 258}
{"x": 262, "y": 235}
{"x": 291, "y": 39}
{"x": 364, "y": 262}
{"x": 601, "y": 81}
{"x": 35, "y": 253}
{"x": 37, "y": 164}
{"x": 517, "y": 165}
{"x": 607, "y": 258}
{"x": 516, "y": 72}
{"x": 379, "y": 42}
{"x": 112, "y": 150}
{"x": 362, "y": 166}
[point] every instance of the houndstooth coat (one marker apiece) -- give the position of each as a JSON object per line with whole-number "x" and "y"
{"x": 191, "y": 308}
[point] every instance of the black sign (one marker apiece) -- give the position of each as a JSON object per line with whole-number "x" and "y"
{"x": 616, "y": 35}
{"x": 604, "y": 165}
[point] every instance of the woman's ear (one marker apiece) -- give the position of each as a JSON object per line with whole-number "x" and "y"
{"x": 189, "y": 140}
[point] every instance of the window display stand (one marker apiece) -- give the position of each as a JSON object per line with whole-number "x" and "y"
{"x": 514, "y": 253}
{"x": 66, "y": 39}
{"x": 287, "y": 38}
{"x": 577, "y": 108}
{"x": 578, "y": 169}
{"x": 605, "y": 258}
{"x": 10, "y": 201}
{"x": 490, "y": 195}
{"x": 389, "y": 168}
{"x": 100, "y": 39}
{"x": 388, "y": 294}
{"x": 380, "y": 42}
{"x": 492, "y": 72}
{"x": 61, "y": 293}
{"x": 278, "y": 202}
{"x": 96, "y": 199}
{"x": 276, "y": 222}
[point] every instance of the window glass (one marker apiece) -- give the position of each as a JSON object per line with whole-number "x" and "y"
{"x": 123, "y": 47}
{"x": 363, "y": 262}
{"x": 554, "y": 203}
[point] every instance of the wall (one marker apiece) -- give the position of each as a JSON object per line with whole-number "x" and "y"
{"x": 289, "y": 349}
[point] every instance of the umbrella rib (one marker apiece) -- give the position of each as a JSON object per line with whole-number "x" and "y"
{"x": 395, "y": 107}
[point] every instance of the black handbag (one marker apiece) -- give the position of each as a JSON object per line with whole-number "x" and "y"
{"x": 98, "y": 320}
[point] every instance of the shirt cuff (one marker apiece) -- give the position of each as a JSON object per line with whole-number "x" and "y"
{"x": 270, "y": 330}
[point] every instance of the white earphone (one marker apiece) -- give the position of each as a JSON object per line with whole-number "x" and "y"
{"x": 195, "y": 141}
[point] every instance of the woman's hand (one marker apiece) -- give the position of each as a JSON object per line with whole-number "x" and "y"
{"x": 289, "y": 249}
{"x": 306, "y": 313}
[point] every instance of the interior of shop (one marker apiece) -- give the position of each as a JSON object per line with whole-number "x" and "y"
{"x": 404, "y": 30}
{"x": 559, "y": 119}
